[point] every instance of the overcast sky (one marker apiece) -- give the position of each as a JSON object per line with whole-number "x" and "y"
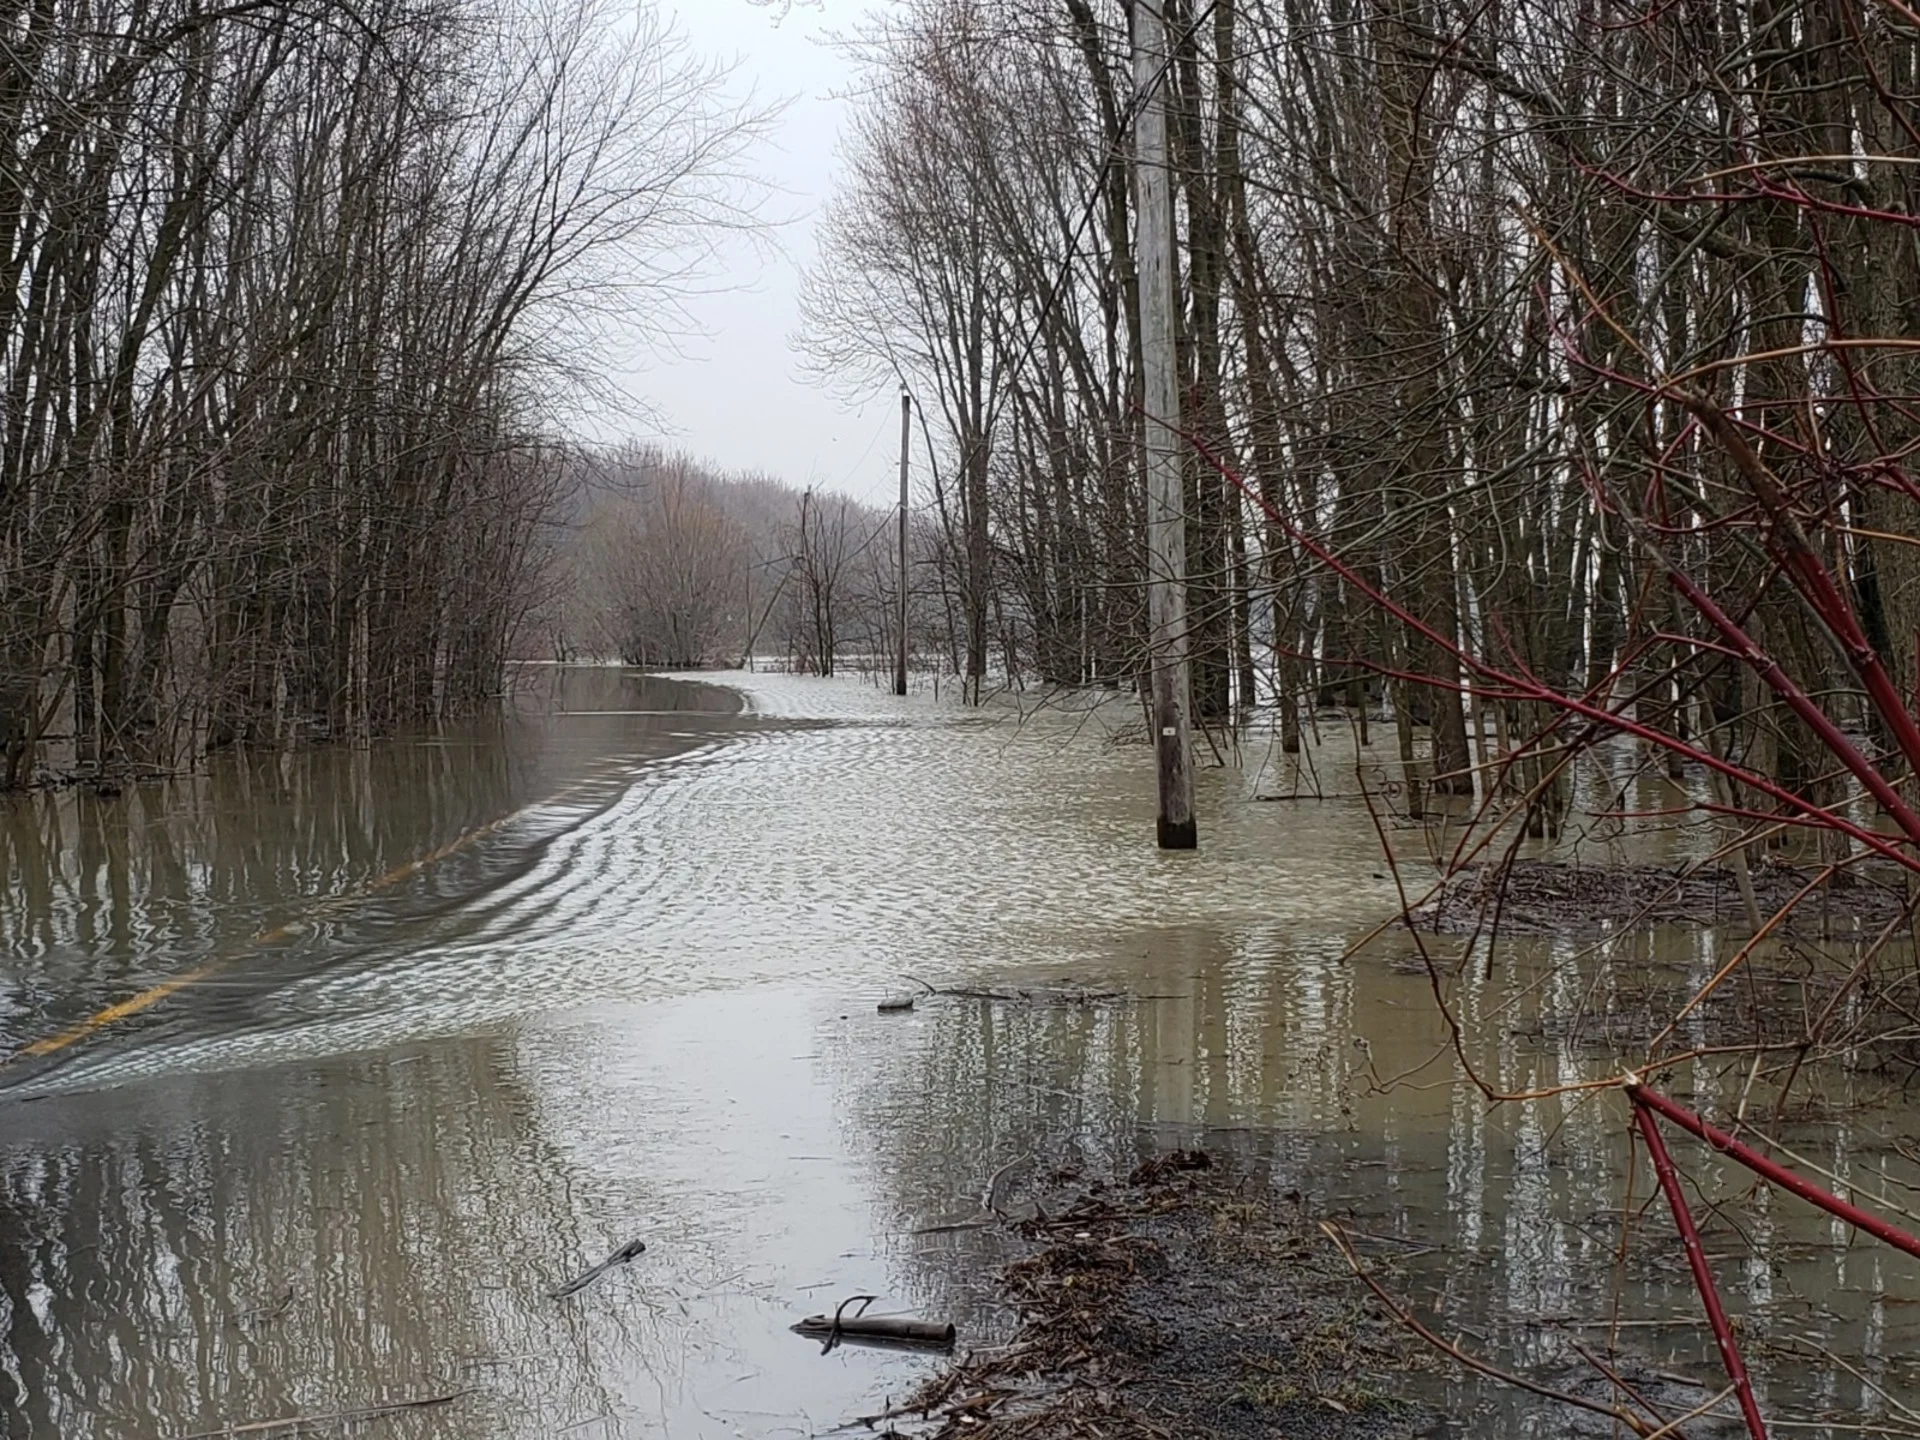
{"x": 737, "y": 397}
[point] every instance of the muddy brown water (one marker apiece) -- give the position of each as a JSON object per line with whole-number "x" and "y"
{"x": 464, "y": 1013}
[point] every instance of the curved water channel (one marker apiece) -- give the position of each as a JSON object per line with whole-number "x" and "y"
{"x": 328, "y": 1067}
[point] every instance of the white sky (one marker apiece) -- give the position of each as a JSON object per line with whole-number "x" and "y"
{"x": 735, "y": 396}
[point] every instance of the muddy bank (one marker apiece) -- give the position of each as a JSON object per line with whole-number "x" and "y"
{"x": 1186, "y": 1301}
{"x": 1555, "y": 897}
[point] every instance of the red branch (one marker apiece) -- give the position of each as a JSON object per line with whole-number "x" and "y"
{"x": 1697, "y": 1262}
{"x": 1773, "y": 1172}
{"x": 1520, "y": 686}
{"x": 1798, "y": 557}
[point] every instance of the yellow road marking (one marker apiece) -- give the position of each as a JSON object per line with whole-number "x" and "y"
{"x": 103, "y": 1018}
{"x": 153, "y": 995}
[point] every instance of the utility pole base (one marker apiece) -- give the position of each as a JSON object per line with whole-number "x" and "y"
{"x": 1179, "y": 835}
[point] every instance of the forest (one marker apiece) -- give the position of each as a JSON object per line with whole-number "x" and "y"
{"x": 668, "y": 563}
{"x": 298, "y": 302}
{"x": 1546, "y": 385}
{"x": 1546, "y": 370}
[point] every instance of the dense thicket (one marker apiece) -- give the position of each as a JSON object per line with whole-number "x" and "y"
{"x": 1487, "y": 301}
{"x": 675, "y": 565}
{"x": 1549, "y": 368}
{"x": 284, "y": 292}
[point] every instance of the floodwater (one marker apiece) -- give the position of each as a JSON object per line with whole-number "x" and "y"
{"x": 403, "y": 1039}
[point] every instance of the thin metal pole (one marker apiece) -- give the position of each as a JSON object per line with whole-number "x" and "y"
{"x": 1166, "y": 491}
{"x": 900, "y": 657}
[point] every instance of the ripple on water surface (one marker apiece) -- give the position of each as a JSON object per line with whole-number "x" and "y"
{"x": 859, "y": 850}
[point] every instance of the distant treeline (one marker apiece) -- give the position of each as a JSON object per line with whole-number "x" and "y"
{"x": 289, "y": 294}
{"x": 676, "y": 565}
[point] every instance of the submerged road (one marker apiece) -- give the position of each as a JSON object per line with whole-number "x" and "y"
{"x": 326, "y": 1071}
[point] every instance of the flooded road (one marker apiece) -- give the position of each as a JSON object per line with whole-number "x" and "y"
{"x": 460, "y": 1017}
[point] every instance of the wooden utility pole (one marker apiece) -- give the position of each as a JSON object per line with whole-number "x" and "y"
{"x": 900, "y": 656}
{"x": 1166, "y": 491}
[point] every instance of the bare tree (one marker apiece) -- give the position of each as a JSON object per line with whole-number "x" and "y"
{"x": 291, "y": 297}
{"x": 824, "y": 542}
{"x": 667, "y": 569}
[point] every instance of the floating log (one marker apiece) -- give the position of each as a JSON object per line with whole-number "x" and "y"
{"x": 878, "y": 1330}
{"x": 632, "y": 1250}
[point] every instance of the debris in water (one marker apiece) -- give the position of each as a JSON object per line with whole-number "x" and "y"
{"x": 632, "y": 1250}
{"x": 335, "y": 1417}
{"x": 904, "y": 1000}
{"x": 1186, "y": 1304}
{"x": 1161, "y": 1168}
{"x": 1548, "y": 897}
{"x": 1065, "y": 993}
{"x": 861, "y": 1328}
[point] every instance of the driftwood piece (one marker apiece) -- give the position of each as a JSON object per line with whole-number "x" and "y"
{"x": 902, "y": 1001}
{"x": 1066, "y": 993}
{"x": 859, "y": 1328}
{"x": 881, "y": 1329}
{"x": 633, "y": 1249}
